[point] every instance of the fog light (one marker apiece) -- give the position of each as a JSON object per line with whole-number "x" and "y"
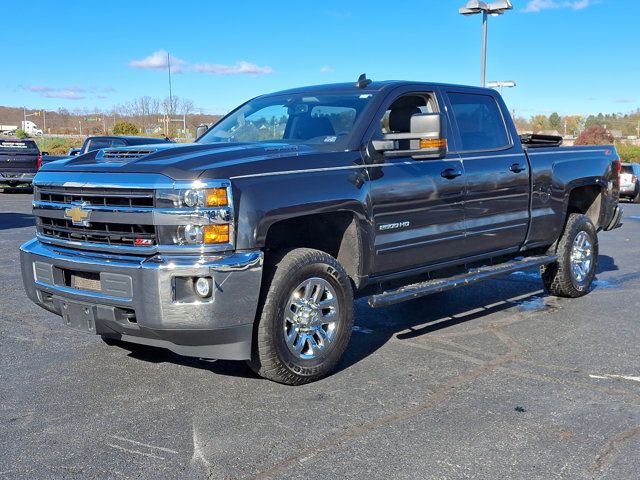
{"x": 203, "y": 287}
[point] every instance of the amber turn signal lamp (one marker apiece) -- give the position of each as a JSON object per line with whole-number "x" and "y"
{"x": 433, "y": 143}
{"x": 216, "y": 197}
{"x": 216, "y": 233}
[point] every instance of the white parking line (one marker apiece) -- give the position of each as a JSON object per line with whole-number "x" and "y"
{"x": 607, "y": 376}
{"x": 143, "y": 444}
{"x": 137, "y": 452}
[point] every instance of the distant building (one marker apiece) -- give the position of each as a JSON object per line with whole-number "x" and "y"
{"x": 616, "y": 133}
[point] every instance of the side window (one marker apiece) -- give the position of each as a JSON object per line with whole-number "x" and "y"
{"x": 479, "y": 121}
{"x": 117, "y": 143}
{"x": 397, "y": 118}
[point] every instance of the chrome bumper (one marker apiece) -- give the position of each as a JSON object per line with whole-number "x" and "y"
{"x": 16, "y": 177}
{"x": 150, "y": 300}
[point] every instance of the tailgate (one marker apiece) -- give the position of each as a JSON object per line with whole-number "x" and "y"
{"x": 18, "y": 156}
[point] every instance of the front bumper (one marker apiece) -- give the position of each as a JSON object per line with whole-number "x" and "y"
{"x": 147, "y": 299}
{"x": 15, "y": 177}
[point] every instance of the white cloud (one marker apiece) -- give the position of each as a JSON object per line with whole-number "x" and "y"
{"x": 326, "y": 69}
{"x": 64, "y": 94}
{"x": 535, "y": 6}
{"x": 68, "y": 93}
{"x": 159, "y": 61}
{"x": 240, "y": 68}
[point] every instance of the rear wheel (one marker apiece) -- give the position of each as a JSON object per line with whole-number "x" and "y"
{"x": 571, "y": 276}
{"x": 305, "y": 320}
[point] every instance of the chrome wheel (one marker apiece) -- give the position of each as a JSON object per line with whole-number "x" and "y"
{"x": 581, "y": 257}
{"x": 311, "y": 318}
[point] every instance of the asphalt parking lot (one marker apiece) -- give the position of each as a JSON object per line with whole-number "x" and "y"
{"x": 494, "y": 381}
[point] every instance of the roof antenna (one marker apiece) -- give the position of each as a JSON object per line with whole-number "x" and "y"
{"x": 363, "y": 81}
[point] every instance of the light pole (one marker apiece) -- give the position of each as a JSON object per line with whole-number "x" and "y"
{"x": 501, "y": 85}
{"x": 474, "y": 7}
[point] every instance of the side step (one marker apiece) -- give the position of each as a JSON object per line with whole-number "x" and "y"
{"x": 422, "y": 289}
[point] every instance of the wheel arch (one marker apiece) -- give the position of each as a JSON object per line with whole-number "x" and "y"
{"x": 337, "y": 233}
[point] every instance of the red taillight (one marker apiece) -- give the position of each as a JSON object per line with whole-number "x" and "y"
{"x": 39, "y": 162}
{"x": 633, "y": 179}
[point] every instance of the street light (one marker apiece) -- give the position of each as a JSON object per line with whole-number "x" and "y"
{"x": 501, "y": 85}
{"x": 474, "y": 7}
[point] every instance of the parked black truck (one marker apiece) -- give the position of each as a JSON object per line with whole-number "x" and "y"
{"x": 252, "y": 243}
{"x": 20, "y": 159}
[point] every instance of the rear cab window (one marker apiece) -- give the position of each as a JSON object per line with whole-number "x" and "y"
{"x": 19, "y": 146}
{"x": 480, "y": 122}
{"x": 100, "y": 143}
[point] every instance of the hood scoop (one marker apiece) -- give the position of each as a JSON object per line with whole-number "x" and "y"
{"x": 122, "y": 155}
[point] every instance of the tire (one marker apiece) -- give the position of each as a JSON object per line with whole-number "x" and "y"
{"x": 636, "y": 197}
{"x": 563, "y": 278}
{"x": 287, "y": 347}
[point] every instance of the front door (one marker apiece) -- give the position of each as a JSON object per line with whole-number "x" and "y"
{"x": 417, "y": 205}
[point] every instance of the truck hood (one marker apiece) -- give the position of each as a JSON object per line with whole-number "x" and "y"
{"x": 191, "y": 161}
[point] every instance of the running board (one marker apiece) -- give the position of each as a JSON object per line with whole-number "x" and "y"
{"x": 422, "y": 289}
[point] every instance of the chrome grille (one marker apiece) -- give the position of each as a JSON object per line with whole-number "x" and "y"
{"x": 98, "y": 232}
{"x": 119, "y": 217}
{"x": 108, "y": 197}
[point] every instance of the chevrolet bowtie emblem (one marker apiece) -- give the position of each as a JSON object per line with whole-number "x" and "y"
{"x": 78, "y": 215}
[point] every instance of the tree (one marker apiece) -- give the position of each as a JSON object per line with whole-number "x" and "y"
{"x": 555, "y": 122}
{"x": 125, "y": 128}
{"x": 574, "y": 123}
{"x": 21, "y": 134}
{"x": 594, "y": 136}
{"x": 539, "y": 122}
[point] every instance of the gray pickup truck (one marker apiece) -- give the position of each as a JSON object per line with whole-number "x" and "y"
{"x": 252, "y": 243}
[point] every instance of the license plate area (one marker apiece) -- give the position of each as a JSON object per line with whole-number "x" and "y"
{"x": 89, "y": 281}
{"x": 78, "y": 316}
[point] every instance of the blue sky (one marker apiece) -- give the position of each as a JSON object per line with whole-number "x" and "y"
{"x": 570, "y": 56}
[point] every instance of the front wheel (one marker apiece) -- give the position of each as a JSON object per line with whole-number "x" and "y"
{"x": 305, "y": 319}
{"x": 571, "y": 276}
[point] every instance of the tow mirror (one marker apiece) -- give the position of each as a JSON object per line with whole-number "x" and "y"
{"x": 201, "y": 130}
{"x": 427, "y": 139}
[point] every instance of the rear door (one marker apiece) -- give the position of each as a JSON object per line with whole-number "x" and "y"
{"x": 496, "y": 203}
{"x": 417, "y": 205}
{"x": 18, "y": 156}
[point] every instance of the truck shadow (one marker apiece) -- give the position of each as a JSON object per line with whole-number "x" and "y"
{"x": 16, "y": 220}
{"x": 376, "y": 327}
{"x": 8, "y": 190}
{"x": 519, "y": 292}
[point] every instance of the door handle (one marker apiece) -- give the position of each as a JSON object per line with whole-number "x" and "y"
{"x": 517, "y": 168}
{"x": 450, "y": 173}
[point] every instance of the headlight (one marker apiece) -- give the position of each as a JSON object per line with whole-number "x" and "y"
{"x": 193, "y": 198}
{"x": 195, "y": 235}
{"x": 197, "y": 214}
{"x": 203, "y": 234}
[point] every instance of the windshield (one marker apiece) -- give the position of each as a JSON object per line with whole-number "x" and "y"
{"x": 320, "y": 120}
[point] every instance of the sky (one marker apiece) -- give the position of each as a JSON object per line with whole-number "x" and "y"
{"x": 569, "y": 56}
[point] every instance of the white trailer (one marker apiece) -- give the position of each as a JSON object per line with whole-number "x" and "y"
{"x": 8, "y": 129}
